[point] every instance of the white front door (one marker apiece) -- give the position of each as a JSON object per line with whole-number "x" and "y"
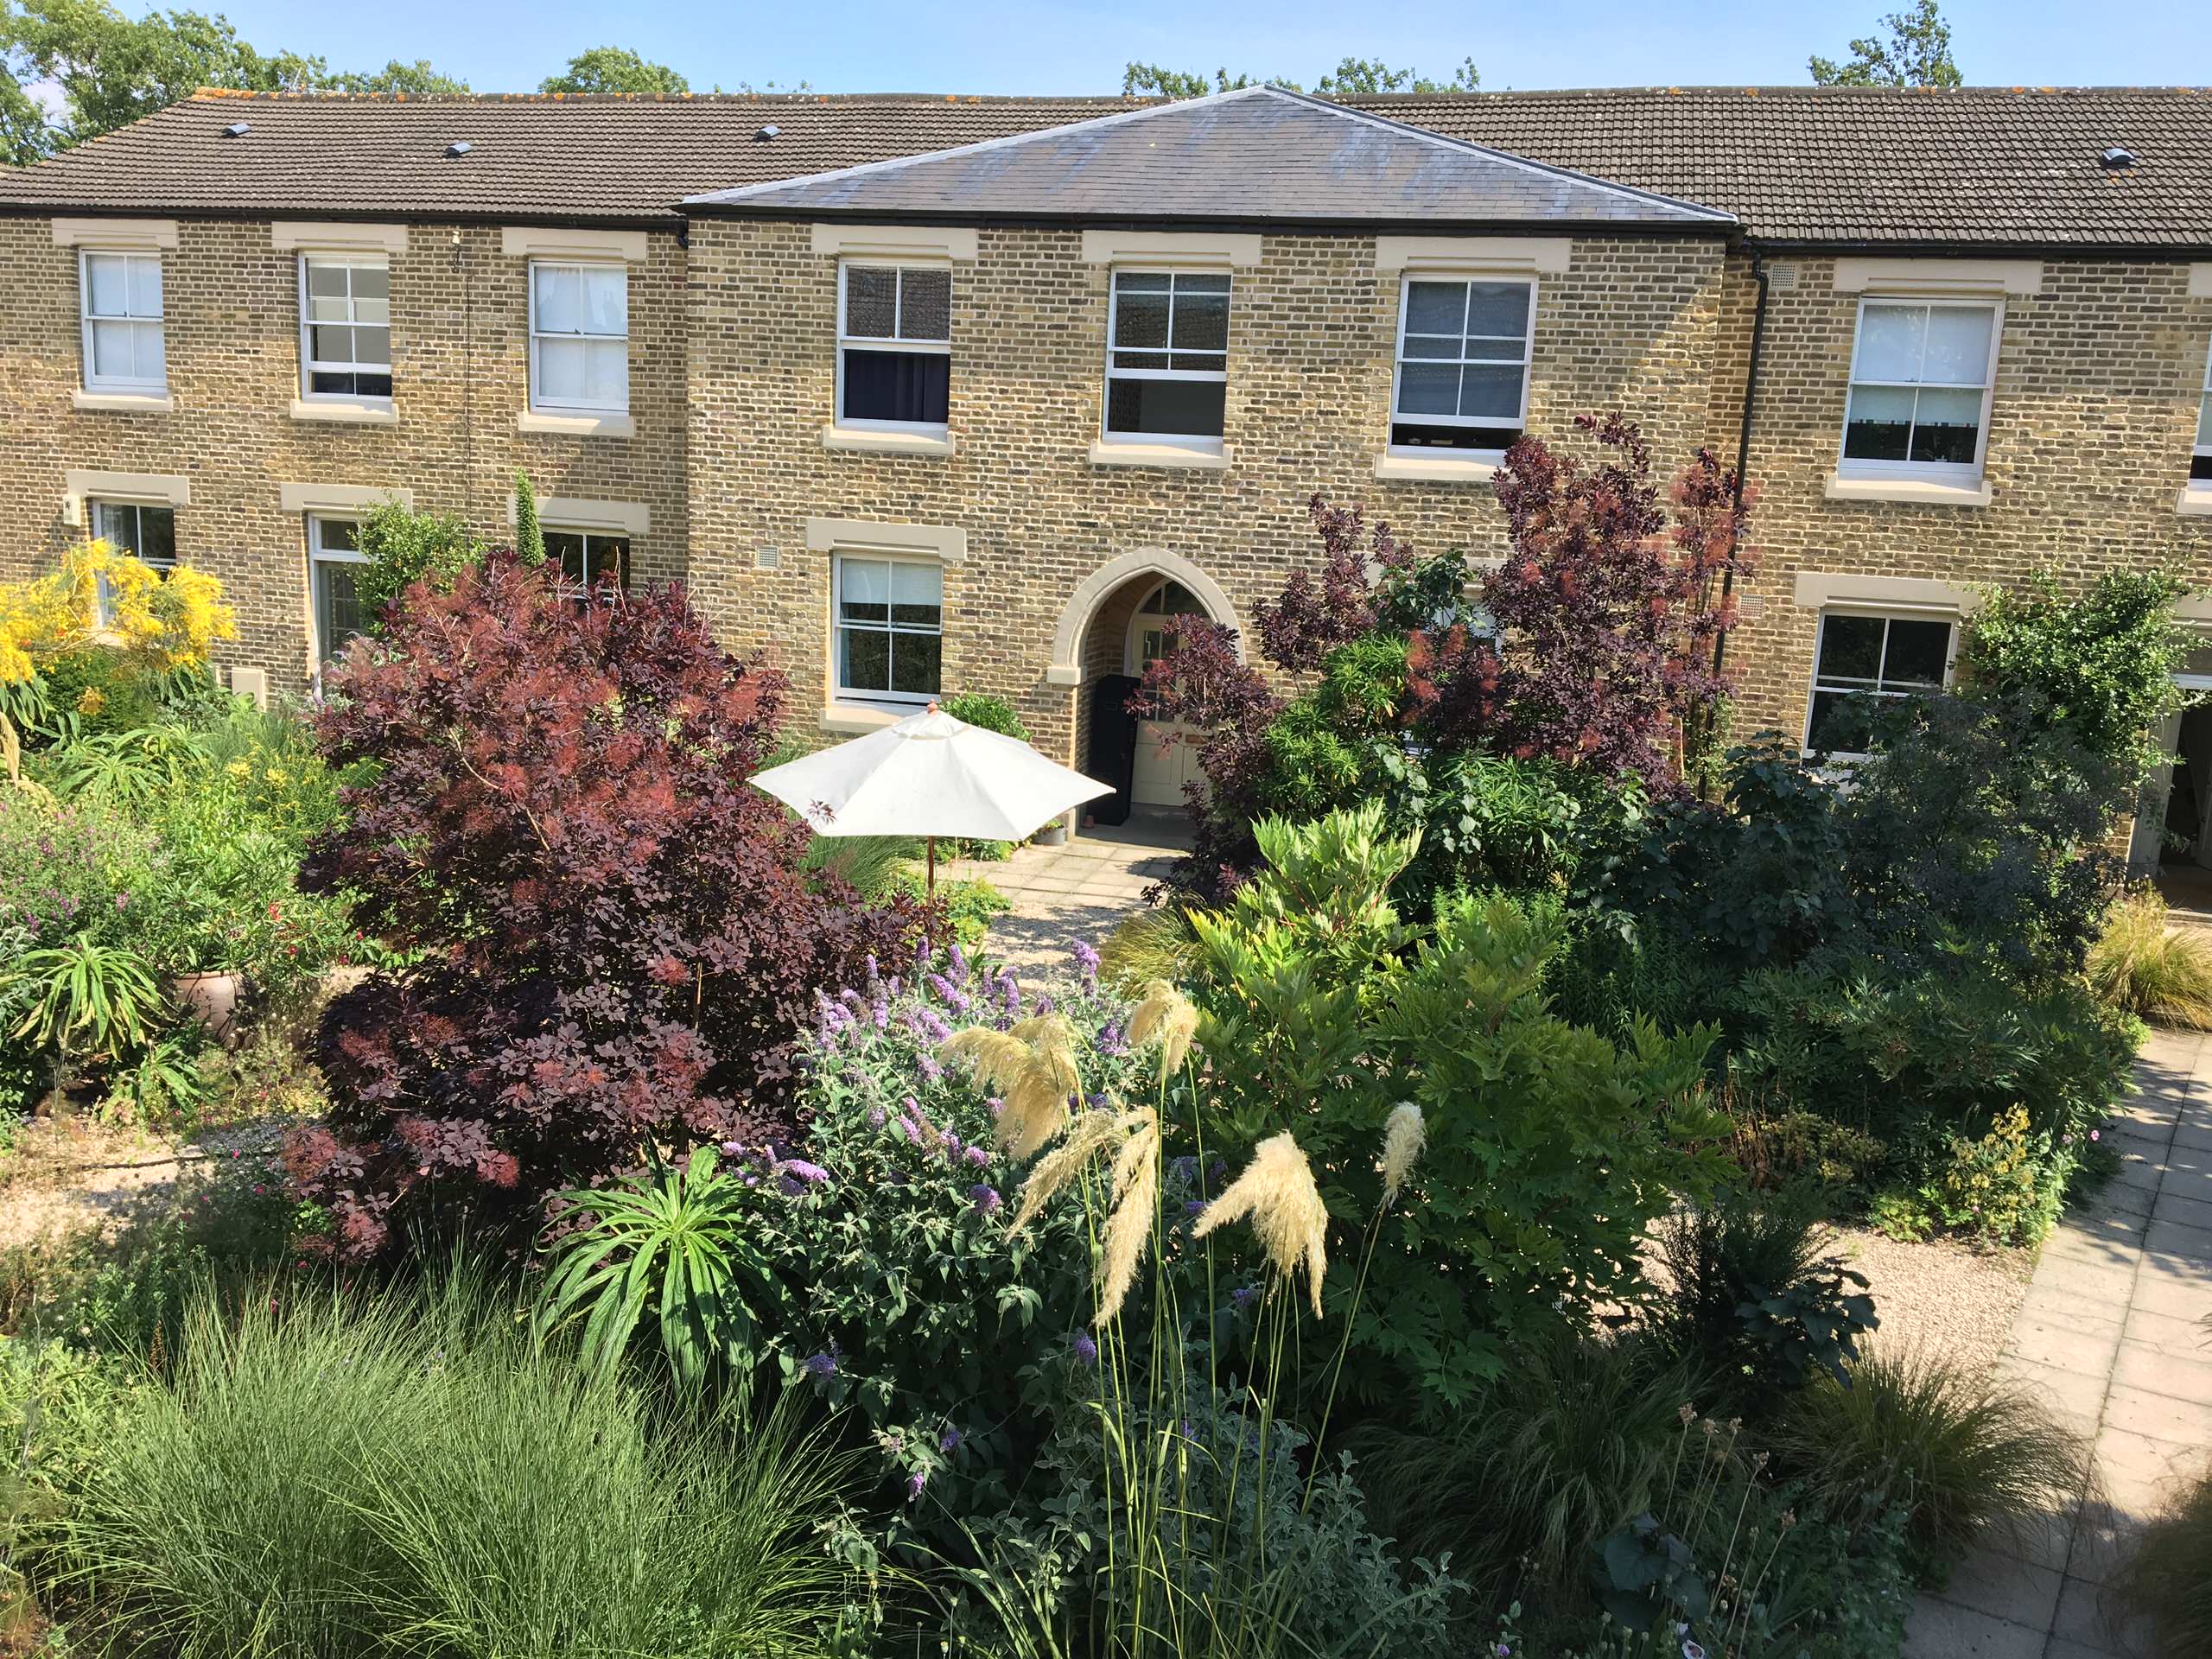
{"x": 1163, "y": 767}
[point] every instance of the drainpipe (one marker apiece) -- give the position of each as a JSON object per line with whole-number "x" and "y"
{"x": 1743, "y": 435}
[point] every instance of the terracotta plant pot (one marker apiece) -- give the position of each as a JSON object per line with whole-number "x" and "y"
{"x": 214, "y": 997}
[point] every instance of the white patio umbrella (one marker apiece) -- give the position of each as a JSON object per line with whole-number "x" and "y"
{"x": 930, "y": 775}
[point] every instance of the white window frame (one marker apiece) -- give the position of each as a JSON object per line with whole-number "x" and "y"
{"x": 1200, "y": 377}
{"x": 318, "y": 553}
{"x": 97, "y": 507}
{"x": 539, "y": 403}
{"x": 1885, "y": 616}
{"x": 309, "y": 364}
{"x": 93, "y": 380}
{"x": 1392, "y": 416}
{"x": 1933, "y": 471}
{"x": 2201, "y": 449}
{"x": 892, "y": 343}
{"x": 840, "y": 692}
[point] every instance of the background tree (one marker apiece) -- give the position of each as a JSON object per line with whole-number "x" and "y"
{"x": 530, "y": 535}
{"x": 1915, "y": 51}
{"x": 1360, "y": 77}
{"x": 1154, "y": 80}
{"x": 110, "y": 69}
{"x": 614, "y": 69}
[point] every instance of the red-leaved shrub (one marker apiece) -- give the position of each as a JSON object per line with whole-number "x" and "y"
{"x": 617, "y": 942}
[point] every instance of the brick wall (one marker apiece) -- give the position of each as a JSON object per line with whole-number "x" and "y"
{"x": 460, "y": 365}
{"x": 1312, "y": 334}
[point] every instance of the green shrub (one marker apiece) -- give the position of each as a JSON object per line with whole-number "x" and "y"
{"x": 2101, "y": 664}
{"x": 2144, "y": 965}
{"x": 981, "y": 708}
{"x": 1549, "y": 1148}
{"x": 1752, "y": 1297}
{"x": 1957, "y": 1451}
{"x": 100, "y": 690}
{"x": 2168, "y": 1577}
{"x": 404, "y": 548}
{"x": 1569, "y": 1443}
{"x": 971, "y": 906}
{"x": 1246, "y": 1554}
{"x": 345, "y": 1476}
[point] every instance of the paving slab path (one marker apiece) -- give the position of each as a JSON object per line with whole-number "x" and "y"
{"x": 1083, "y": 889}
{"x": 2111, "y": 1333}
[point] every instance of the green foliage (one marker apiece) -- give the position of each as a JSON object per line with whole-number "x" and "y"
{"x": 530, "y": 536}
{"x": 353, "y": 1476}
{"x": 404, "y": 548}
{"x": 1753, "y": 1301}
{"x": 415, "y": 79}
{"x": 1549, "y": 1148}
{"x": 616, "y": 69}
{"x": 126, "y": 768}
{"x": 2166, "y": 1577}
{"x": 673, "y": 1238}
{"x": 99, "y": 690}
{"x": 1914, "y": 50}
{"x": 1153, "y": 80}
{"x": 980, "y": 708}
{"x": 1150, "y": 944}
{"x": 1250, "y": 1557}
{"x": 873, "y": 865}
{"x": 1569, "y": 1441}
{"x": 2101, "y": 664}
{"x": 1358, "y": 77}
{"x": 2144, "y": 965}
{"x": 112, "y": 69}
{"x": 971, "y": 907}
{"x": 92, "y": 999}
{"x": 1749, "y": 1566}
{"x": 1957, "y": 1451}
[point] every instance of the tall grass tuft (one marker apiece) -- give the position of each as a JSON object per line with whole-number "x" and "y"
{"x": 1957, "y": 1451}
{"x": 1568, "y": 1444}
{"x": 345, "y": 1476}
{"x": 2171, "y": 1576}
{"x": 1156, "y": 943}
{"x": 2146, "y": 966}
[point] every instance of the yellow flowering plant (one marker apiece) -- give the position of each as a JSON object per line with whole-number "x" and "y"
{"x": 162, "y": 619}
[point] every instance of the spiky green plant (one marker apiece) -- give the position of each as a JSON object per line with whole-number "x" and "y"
{"x": 2145, "y": 965}
{"x": 673, "y": 1239}
{"x": 85, "y": 997}
{"x": 2171, "y": 1576}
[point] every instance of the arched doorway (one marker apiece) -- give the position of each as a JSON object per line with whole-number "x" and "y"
{"x": 1167, "y": 756}
{"x": 1114, "y": 623}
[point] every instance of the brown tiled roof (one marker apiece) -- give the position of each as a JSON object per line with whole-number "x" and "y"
{"x": 1259, "y": 155}
{"x": 593, "y": 158}
{"x": 1975, "y": 167}
{"x": 1980, "y": 166}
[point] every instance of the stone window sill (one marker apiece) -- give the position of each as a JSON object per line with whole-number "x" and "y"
{"x": 347, "y": 411}
{"x": 865, "y": 440}
{"x": 1188, "y": 457}
{"x": 547, "y": 423}
{"x": 861, "y": 716}
{"x": 1435, "y": 469}
{"x": 2195, "y": 502}
{"x": 1920, "y": 492}
{"x": 123, "y": 403}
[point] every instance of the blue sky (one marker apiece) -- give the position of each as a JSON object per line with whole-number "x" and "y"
{"x": 1001, "y": 45}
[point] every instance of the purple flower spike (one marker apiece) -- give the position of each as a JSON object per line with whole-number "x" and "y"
{"x": 1086, "y": 1351}
{"x": 958, "y": 962}
{"x": 1109, "y": 1041}
{"x": 1244, "y": 1295}
{"x": 805, "y": 1171}
{"x": 1194, "y": 1208}
{"x": 949, "y": 1441}
{"x": 927, "y": 1064}
{"x": 978, "y": 1156}
{"x": 1087, "y": 959}
{"x": 915, "y": 1482}
{"x": 985, "y": 1198}
{"x": 875, "y": 1117}
{"x": 821, "y": 1365}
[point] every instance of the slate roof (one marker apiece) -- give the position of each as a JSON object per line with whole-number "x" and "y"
{"x": 594, "y": 159}
{"x": 1259, "y": 155}
{"x": 1876, "y": 168}
{"x": 1980, "y": 166}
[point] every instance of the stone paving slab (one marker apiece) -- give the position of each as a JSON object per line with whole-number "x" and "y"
{"x": 2110, "y": 1333}
{"x": 1083, "y": 889}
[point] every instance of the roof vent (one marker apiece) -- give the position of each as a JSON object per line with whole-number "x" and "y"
{"x": 236, "y": 129}
{"x": 2116, "y": 160}
{"x": 767, "y": 133}
{"x": 459, "y": 147}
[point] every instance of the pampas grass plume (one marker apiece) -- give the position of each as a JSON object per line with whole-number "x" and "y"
{"x": 1032, "y": 1068}
{"x": 1404, "y": 1135}
{"x": 1165, "y": 1017}
{"x": 1276, "y": 1191}
{"x": 1136, "y": 1198}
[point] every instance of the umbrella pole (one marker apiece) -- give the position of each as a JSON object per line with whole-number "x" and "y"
{"x": 931, "y": 896}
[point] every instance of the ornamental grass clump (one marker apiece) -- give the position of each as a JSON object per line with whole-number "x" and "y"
{"x": 2143, "y": 964}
